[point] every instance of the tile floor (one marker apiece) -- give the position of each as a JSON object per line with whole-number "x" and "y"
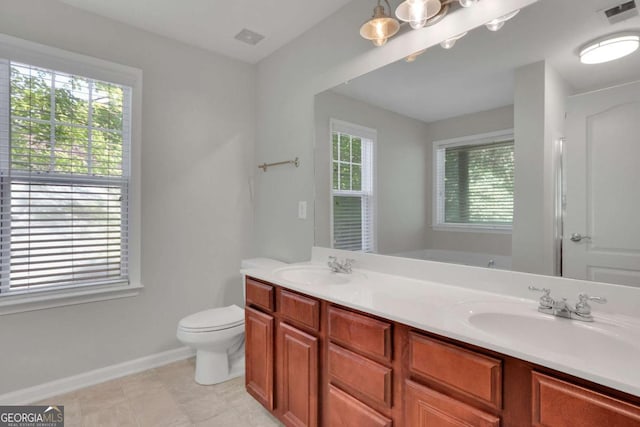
{"x": 164, "y": 396}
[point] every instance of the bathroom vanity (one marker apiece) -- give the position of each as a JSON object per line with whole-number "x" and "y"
{"x": 316, "y": 358}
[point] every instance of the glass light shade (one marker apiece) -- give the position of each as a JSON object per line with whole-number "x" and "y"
{"x": 379, "y": 28}
{"x": 467, "y": 3}
{"x": 379, "y": 42}
{"x": 496, "y": 24}
{"x": 418, "y": 12}
{"x": 414, "y": 55}
{"x": 608, "y": 49}
{"x": 449, "y": 43}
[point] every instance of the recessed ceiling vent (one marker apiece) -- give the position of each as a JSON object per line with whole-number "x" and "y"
{"x": 249, "y": 37}
{"x": 621, "y": 12}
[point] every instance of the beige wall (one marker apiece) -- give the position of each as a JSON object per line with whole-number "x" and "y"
{"x": 197, "y": 156}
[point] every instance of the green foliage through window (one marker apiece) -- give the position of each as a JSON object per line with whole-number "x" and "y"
{"x": 478, "y": 184}
{"x": 67, "y": 124}
{"x": 347, "y": 162}
{"x": 64, "y": 188}
{"x": 352, "y": 187}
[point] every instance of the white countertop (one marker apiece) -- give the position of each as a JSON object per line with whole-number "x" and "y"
{"x": 606, "y": 351}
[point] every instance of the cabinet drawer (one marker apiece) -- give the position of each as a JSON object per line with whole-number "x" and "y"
{"x": 259, "y": 294}
{"x": 360, "y": 374}
{"x": 558, "y": 403}
{"x": 346, "y": 411}
{"x": 360, "y": 333}
{"x": 425, "y": 407}
{"x": 299, "y": 309}
{"x": 471, "y": 373}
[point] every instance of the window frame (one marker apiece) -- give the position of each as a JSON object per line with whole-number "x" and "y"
{"x": 35, "y": 54}
{"x": 438, "y": 217}
{"x": 364, "y": 133}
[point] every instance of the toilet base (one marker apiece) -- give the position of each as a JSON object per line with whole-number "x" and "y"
{"x": 214, "y": 367}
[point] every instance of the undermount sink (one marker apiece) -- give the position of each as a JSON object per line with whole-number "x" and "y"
{"x": 522, "y": 325}
{"x": 313, "y": 275}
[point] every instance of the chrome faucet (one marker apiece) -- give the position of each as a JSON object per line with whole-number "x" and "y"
{"x": 340, "y": 267}
{"x": 581, "y": 311}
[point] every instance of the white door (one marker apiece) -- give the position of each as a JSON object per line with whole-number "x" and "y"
{"x": 601, "y": 232}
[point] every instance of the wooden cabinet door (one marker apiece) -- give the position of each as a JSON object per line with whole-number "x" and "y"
{"x": 557, "y": 403}
{"x": 297, "y": 376}
{"x": 425, "y": 407}
{"x": 259, "y": 356}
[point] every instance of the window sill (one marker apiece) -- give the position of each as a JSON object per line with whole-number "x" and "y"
{"x": 472, "y": 229}
{"x": 50, "y": 299}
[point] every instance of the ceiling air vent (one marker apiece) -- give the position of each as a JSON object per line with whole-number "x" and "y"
{"x": 249, "y": 37}
{"x": 621, "y": 12}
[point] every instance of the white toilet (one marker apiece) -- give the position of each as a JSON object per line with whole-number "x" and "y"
{"x": 218, "y": 335}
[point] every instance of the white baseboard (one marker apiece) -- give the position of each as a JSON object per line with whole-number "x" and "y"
{"x": 75, "y": 382}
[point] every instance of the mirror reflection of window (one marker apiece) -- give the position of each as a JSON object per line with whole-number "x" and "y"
{"x": 352, "y": 189}
{"x": 474, "y": 182}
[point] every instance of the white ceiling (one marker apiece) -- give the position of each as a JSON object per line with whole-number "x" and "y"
{"x": 478, "y": 73}
{"x": 213, "y": 24}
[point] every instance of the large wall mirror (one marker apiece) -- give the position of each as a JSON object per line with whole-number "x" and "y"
{"x": 501, "y": 151}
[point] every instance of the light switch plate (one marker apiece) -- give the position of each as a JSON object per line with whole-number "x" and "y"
{"x": 302, "y": 209}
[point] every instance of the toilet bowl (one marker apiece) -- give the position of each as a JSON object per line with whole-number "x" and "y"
{"x": 217, "y": 335}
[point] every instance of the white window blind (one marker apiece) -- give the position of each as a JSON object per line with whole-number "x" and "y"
{"x": 475, "y": 182}
{"x": 353, "y": 202}
{"x": 64, "y": 179}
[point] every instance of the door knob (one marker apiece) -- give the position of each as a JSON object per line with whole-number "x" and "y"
{"x": 577, "y": 237}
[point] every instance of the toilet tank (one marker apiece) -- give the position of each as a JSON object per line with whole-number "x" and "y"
{"x": 264, "y": 263}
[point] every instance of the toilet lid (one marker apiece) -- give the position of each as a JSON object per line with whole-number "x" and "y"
{"x": 214, "y": 319}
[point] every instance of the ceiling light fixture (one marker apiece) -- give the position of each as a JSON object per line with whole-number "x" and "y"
{"x": 418, "y": 12}
{"x": 414, "y": 55}
{"x": 609, "y": 48}
{"x": 380, "y": 27}
{"x": 448, "y": 43}
{"x": 496, "y": 24}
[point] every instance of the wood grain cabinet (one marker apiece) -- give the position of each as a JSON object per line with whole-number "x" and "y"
{"x": 347, "y": 411}
{"x": 475, "y": 375}
{"x": 425, "y": 407}
{"x": 259, "y": 356}
{"x": 297, "y": 376}
{"x": 557, "y": 403}
{"x": 282, "y": 352}
{"x": 313, "y": 363}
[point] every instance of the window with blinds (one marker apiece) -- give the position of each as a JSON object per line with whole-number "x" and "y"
{"x": 64, "y": 179}
{"x": 352, "y": 187}
{"x": 474, "y": 178}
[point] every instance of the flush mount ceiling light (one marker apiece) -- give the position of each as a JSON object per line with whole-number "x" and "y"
{"x": 380, "y": 27}
{"x": 609, "y": 48}
{"x": 448, "y": 43}
{"x": 496, "y": 24}
{"x": 418, "y": 12}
